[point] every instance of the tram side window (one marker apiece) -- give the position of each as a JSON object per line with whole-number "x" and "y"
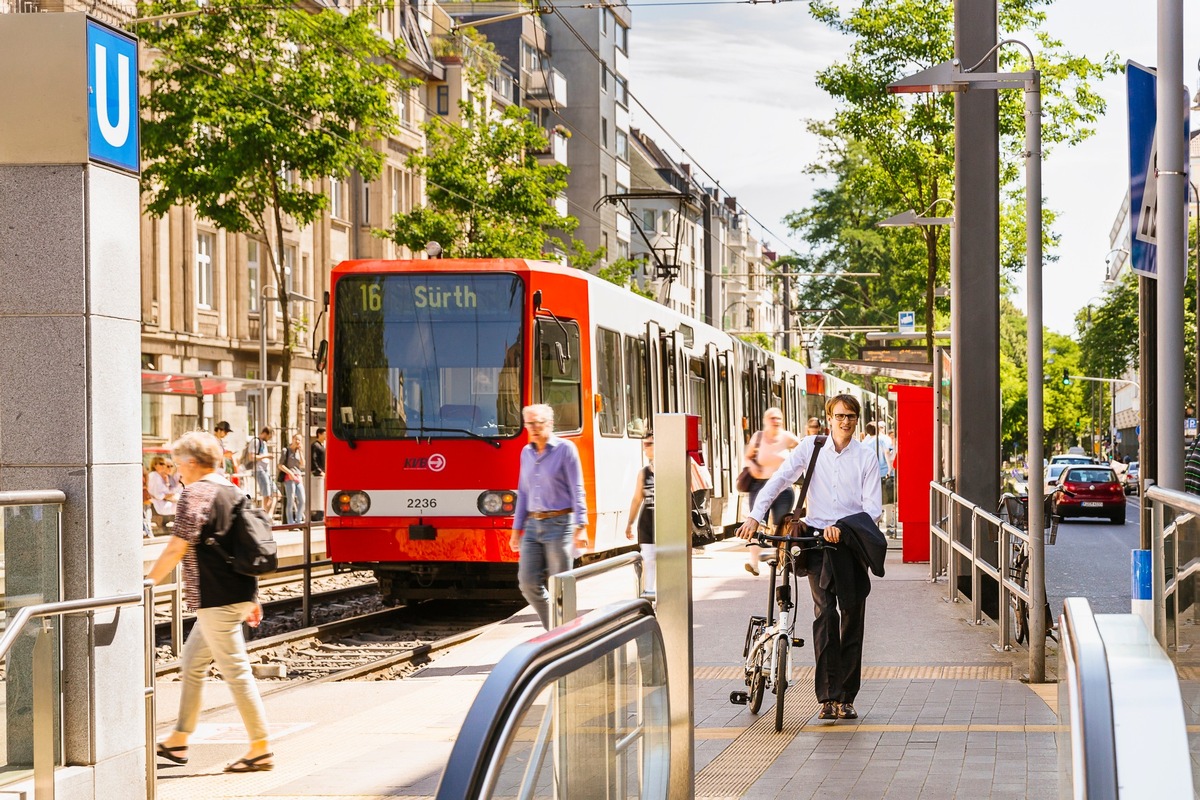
{"x": 637, "y": 387}
{"x": 698, "y": 395}
{"x": 558, "y": 382}
{"x": 608, "y": 382}
{"x": 749, "y": 422}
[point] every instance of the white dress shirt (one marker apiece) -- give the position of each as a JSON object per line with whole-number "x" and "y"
{"x": 843, "y": 483}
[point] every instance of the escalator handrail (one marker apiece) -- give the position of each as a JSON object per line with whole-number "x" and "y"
{"x": 1090, "y": 665}
{"x": 520, "y": 670}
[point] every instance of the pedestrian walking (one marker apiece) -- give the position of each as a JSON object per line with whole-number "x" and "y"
{"x": 643, "y": 498}
{"x": 812, "y": 427}
{"x": 292, "y": 474}
{"x": 550, "y": 505}
{"x": 768, "y": 449}
{"x": 222, "y": 599}
{"x": 843, "y": 503}
{"x": 258, "y": 452}
{"x": 222, "y": 430}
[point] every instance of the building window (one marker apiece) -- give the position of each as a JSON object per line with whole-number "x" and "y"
{"x": 622, "y": 90}
{"x": 604, "y": 185}
{"x": 364, "y": 211}
{"x": 204, "y": 269}
{"x": 623, "y": 145}
{"x": 603, "y": 77}
{"x": 623, "y": 38}
{"x": 337, "y": 203}
{"x": 394, "y": 185}
{"x": 604, "y": 132}
{"x": 443, "y": 100}
{"x": 253, "y": 272}
{"x": 649, "y": 221}
{"x": 604, "y": 21}
{"x": 289, "y": 269}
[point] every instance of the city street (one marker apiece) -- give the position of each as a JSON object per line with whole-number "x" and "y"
{"x": 1091, "y": 559}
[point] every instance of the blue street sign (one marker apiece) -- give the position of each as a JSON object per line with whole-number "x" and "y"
{"x": 1189, "y": 426}
{"x": 1142, "y": 85}
{"x": 908, "y": 321}
{"x": 1143, "y": 200}
{"x": 112, "y": 97}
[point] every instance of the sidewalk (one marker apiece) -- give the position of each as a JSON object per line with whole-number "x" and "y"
{"x": 943, "y": 713}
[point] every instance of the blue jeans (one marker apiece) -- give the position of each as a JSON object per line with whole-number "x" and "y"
{"x": 293, "y": 504}
{"x": 545, "y": 551}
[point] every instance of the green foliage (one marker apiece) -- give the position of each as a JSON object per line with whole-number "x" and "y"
{"x": 883, "y": 153}
{"x": 757, "y": 339}
{"x": 622, "y": 272}
{"x": 251, "y": 107}
{"x": 488, "y": 196}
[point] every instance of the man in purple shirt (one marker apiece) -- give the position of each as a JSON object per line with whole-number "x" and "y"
{"x": 550, "y": 504}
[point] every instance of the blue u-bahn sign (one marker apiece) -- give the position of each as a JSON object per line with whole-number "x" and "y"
{"x": 112, "y": 66}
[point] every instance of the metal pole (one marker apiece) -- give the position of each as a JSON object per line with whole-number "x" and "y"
{"x": 1147, "y": 400}
{"x": 43, "y": 713}
{"x": 1172, "y": 241}
{"x": 1158, "y": 561}
{"x": 306, "y": 598}
{"x": 151, "y": 697}
{"x": 262, "y": 370}
{"x": 1033, "y": 291}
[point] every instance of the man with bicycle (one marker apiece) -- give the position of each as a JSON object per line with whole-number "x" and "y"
{"x": 844, "y": 495}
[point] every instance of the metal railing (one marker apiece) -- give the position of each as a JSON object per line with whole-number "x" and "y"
{"x": 945, "y": 510}
{"x": 43, "y": 670}
{"x": 564, "y": 587}
{"x": 1165, "y": 546}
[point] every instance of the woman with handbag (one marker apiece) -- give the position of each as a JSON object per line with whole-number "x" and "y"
{"x": 766, "y": 452}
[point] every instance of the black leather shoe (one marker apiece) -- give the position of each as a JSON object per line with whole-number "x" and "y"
{"x": 846, "y": 711}
{"x": 828, "y": 711}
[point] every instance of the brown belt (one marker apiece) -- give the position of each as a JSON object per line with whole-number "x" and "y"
{"x": 549, "y": 514}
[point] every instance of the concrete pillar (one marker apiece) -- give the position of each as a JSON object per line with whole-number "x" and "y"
{"x": 70, "y": 405}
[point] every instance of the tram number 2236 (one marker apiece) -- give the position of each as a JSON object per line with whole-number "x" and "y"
{"x": 372, "y": 297}
{"x": 421, "y": 502}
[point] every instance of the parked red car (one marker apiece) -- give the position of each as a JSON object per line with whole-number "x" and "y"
{"x": 1090, "y": 491}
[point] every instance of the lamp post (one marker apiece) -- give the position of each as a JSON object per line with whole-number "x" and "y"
{"x": 269, "y": 293}
{"x": 911, "y": 218}
{"x": 950, "y": 76}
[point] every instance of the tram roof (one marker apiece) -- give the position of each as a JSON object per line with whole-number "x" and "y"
{"x": 920, "y": 372}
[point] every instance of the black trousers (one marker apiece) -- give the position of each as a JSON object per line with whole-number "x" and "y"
{"x": 837, "y": 644}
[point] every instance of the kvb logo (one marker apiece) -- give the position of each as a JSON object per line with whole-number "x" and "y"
{"x": 437, "y": 462}
{"x": 112, "y": 97}
{"x": 434, "y": 463}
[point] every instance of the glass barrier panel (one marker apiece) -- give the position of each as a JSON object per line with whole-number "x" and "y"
{"x": 30, "y": 573}
{"x": 600, "y": 730}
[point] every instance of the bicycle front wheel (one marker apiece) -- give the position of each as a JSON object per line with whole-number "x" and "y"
{"x": 781, "y": 679}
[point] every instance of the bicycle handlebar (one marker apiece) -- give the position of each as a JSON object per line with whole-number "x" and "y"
{"x": 814, "y": 542}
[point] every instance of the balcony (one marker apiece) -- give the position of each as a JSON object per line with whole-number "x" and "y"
{"x": 544, "y": 88}
{"x": 556, "y": 148}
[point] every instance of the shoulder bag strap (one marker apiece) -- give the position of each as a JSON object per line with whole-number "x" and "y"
{"x": 756, "y": 443}
{"x": 818, "y": 443}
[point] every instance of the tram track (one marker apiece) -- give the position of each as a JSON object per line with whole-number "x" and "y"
{"x": 380, "y": 645}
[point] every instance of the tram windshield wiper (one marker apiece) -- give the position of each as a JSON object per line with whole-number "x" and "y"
{"x": 492, "y": 440}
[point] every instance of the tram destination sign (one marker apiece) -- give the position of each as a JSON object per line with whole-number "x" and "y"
{"x": 427, "y": 296}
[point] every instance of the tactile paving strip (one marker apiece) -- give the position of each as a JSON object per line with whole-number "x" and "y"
{"x": 740, "y": 764}
{"x": 978, "y": 672}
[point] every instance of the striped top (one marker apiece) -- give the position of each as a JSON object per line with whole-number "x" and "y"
{"x": 1191, "y": 468}
{"x": 194, "y": 508}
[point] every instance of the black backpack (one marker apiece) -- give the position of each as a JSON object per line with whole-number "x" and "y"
{"x": 248, "y": 547}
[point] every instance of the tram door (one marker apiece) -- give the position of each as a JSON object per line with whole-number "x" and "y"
{"x": 654, "y": 354}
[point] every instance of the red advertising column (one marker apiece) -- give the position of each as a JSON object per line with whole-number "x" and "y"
{"x": 914, "y": 466}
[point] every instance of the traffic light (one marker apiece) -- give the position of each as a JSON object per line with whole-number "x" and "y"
{"x": 1066, "y": 378}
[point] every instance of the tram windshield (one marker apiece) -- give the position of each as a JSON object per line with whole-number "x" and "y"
{"x": 429, "y": 355}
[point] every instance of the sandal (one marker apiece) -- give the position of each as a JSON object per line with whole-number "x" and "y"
{"x": 169, "y": 753}
{"x": 256, "y": 764}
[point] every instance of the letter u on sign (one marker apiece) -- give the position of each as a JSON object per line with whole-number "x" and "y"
{"x": 112, "y": 97}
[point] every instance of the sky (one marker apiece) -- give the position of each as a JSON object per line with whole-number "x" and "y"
{"x": 735, "y": 83}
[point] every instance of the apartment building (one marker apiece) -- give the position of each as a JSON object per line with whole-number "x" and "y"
{"x": 591, "y": 51}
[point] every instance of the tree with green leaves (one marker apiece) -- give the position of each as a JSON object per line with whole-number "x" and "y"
{"x": 252, "y": 107}
{"x": 898, "y": 150}
{"x": 488, "y": 195}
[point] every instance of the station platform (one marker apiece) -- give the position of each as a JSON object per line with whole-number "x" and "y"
{"x": 289, "y": 540}
{"x": 943, "y": 713}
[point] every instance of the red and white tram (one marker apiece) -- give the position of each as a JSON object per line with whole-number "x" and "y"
{"x": 431, "y": 364}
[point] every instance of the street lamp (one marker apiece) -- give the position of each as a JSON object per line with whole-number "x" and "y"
{"x": 908, "y": 219}
{"x": 950, "y": 76}
{"x": 269, "y": 293}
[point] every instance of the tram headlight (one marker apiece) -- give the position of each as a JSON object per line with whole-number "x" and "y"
{"x": 497, "y": 503}
{"x": 351, "y": 504}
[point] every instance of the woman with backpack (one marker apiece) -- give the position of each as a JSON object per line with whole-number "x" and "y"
{"x": 222, "y": 599}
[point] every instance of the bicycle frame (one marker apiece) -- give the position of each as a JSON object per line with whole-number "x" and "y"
{"x": 774, "y": 629}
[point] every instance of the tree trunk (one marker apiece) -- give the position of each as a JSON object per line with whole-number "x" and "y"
{"x": 285, "y": 318}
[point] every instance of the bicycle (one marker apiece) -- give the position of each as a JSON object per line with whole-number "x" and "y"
{"x": 1014, "y": 510}
{"x": 769, "y": 640}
